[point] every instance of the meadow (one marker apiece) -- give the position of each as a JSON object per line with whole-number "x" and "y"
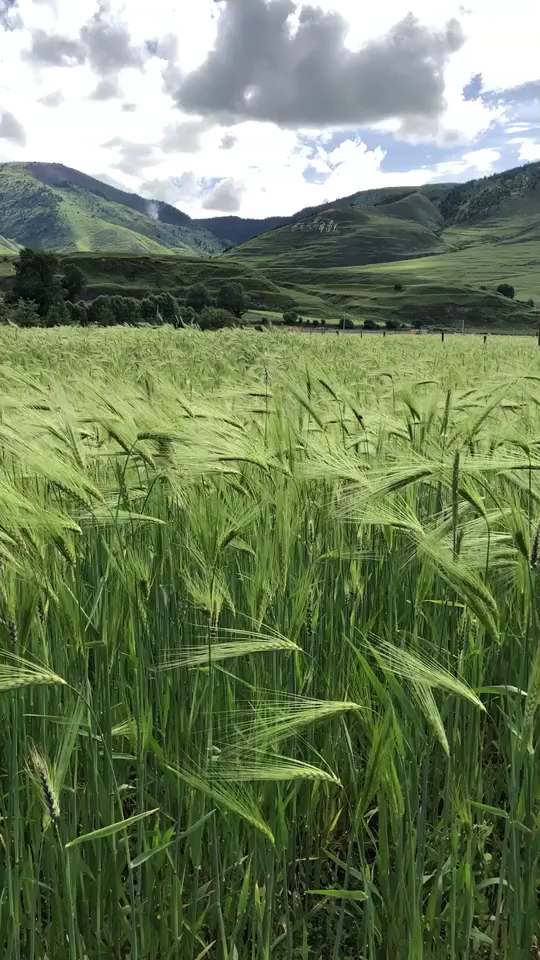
{"x": 269, "y": 646}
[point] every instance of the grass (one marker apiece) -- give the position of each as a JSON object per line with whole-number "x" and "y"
{"x": 337, "y": 237}
{"x": 269, "y": 650}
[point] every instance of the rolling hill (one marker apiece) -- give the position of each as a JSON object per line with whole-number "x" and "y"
{"x": 368, "y": 228}
{"x": 351, "y": 235}
{"x": 52, "y": 206}
{"x": 435, "y": 253}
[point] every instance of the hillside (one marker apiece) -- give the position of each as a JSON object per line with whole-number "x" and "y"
{"x": 52, "y": 206}
{"x": 236, "y": 230}
{"x": 382, "y": 227}
{"x": 7, "y": 247}
{"x": 349, "y": 236}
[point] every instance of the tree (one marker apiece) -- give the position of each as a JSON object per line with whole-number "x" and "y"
{"x": 198, "y": 297}
{"x": 398, "y": 287}
{"x": 290, "y": 317}
{"x": 506, "y": 289}
{"x": 233, "y": 297}
{"x": 100, "y": 312}
{"x": 214, "y": 318}
{"x": 370, "y": 325}
{"x": 57, "y": 315}
{"x": 36, "y": 278}
{"x": 25, "y": 314}
{"x": 392, "y": 324}
{"x": 73, "y": 282}
{"x": 79, "y": 313}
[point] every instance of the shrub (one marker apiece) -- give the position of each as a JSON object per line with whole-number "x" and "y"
{"x": 150, "y": 310}
{"x": 530, "y": 303}
{"x": 25, "y": 313}
{"x": 347, "y": 324}
{"x": 392, "y": 324}
{"x": 79, "y": 313}
{"x": 290, "y": 317}
{"x": 398, "y": 287}
{"x": 100, "y": 312}
{"x": 215, "y": 318}
{"x": 58, "y": 315}
{"x": 370, "y": 325}
{"x": 506, "y": 289}
{"x": 483, "y": 286}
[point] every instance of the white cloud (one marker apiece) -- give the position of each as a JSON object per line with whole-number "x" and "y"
{"x": 529, "y": 150}
{"x": 264, "y": 164}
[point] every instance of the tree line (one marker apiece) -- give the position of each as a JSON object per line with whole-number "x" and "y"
{"x": 45, "y": 295}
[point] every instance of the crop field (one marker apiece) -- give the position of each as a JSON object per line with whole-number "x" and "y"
{"x": 269, "y": 646}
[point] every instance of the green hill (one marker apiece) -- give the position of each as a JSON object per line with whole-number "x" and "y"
{"x": 236, "y": 230}
{"x": 335, "y": 236}
{"x": 7, "y": 247}
{"x": 52, "y": 206}
{"x": 383, "y": 227}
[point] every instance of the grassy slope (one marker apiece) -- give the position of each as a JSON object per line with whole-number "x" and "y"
{"x": 136, "y": 275}
{"x": 237, "y": 230}
{"x": 65, "y": 210}
{"x": 338, "y": 237}
{"x": 353, "y": 268}
{"x": 7, "y": 246}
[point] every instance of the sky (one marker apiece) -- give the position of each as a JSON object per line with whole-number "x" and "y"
{"x": 258, "y": 108}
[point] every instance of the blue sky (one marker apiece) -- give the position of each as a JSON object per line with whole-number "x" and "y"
{"x": 259, "y": 107}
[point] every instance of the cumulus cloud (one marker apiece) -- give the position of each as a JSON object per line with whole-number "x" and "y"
{"x": 228, "y": 141}
{"x": 225, "y": 196}
{"x": 108, "y": 88}
{"x": 473, "y": 163}
{"x": 108, "y": 44}
{"x": 187, "y": 188}
{"x": 529, "y": 149}
{"x": 49, "y": 49}
{"x": 184, "y": 137}
{"x": 277, "y": 62}
{"x": 103, "y": 42}
{"x": 10, "y": 18}
{"x": 11, "y": 129}
{"x": 132, "y": 157}
{"x": 166, "y": 48}
{"x": 53, "y": 99}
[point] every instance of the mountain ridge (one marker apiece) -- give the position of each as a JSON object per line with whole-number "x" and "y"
{"x": 57, "y": 207}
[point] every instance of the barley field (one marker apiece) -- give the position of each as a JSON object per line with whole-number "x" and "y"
{"x": 269, "y": 646}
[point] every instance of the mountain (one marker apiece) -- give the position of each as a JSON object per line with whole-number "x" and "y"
{"x": 52, "y": 206}
{"x": 384, "y": 227}
{"x": 236, "y": 230}
{"x": 338, "y": 236}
